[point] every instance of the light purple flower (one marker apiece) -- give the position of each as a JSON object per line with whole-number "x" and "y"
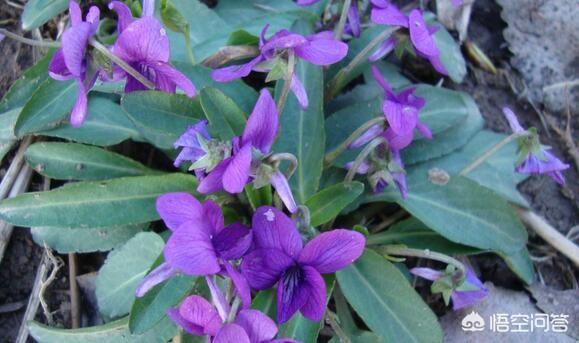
{"x": 353, "y": 16}
{"x": 279, "y": 257}
{"x": 71, "y": 60}
{"x": 198, "y": 317}
{"x": 144, "y": 45}
{"x": 535, "y": 158}
{"x": 243, "y": 166}
{"x": 385, "y": 13}
{"x": 191, "y": 143}
{"x": 318, "y": 49}
{"x": 200, "y": 243}
{"x": 460, "y": 299}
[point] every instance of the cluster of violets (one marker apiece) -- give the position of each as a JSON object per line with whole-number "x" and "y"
{"x": 271, "y": 251}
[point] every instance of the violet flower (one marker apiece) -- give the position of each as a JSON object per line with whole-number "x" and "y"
{"x": 533, "y": 157}
{"x": 200, "y": 243}
{"x": 247, "y": 162}
{"x": 469, "y": 293}
{"x": 319, "y": 49}
{"x": 144, "y": 45}
{"x": 71, "y": 61}
{"x": 353, "y": 15}
{"x": 421, "y": 35}
{"x": 279, "y": 256}
{"x": 198, "y": 317}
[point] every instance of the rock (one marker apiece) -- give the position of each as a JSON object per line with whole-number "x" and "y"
{"x": 554, "y": 301}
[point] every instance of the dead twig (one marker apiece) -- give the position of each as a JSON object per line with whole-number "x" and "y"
{"x": 74, "y": 294}
{"x": 55, "y": 264}
{"x": 14, "y": 169}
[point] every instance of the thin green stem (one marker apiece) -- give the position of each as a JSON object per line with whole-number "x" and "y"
{"x": 362, "y": 156}
{"x": 285, "y": 156}
{"x": 291, "y": 64}
{"x": 188, "y": 45}
{"x": 332, "y": 319}
{"x": 427, "y": 254}
{"x": 472, "y": 166}
{"x": 332, "y": 155}
{"x": 342, "y": 22}
{"x": 124, "y": 65}
{"x": 338, "y": 81}
{"x": 28, "y": 41}
{"x": 234, "y": 308}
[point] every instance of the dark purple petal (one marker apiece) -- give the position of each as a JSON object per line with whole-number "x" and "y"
{"x": 437, "y": 64}
{"x": 178, "y": 208}
{"x": 190, "y": 137}
{"x": 231, "y": 333}
{"x": 213, "y": 182}
{"x": 163, "y": 272}
{"x": 258, "y": 326}
{"x": 124, "y": 15}
{"x": 513, "y": 121}
{"x": 292, "y": 293}
{"x": 200, "y": 313}
{"x": 387, "y": 14}
{"x": 299, "y": 91}
{"x": 235, "y": 72}
{"x": 397, "y": 142}
{"x": 74, "y": 44}
{"x": 401, "y": 117}
{"x": 315, "y": 305}
{"x": 283, "y": 40}
{"x": 263, "y": 267}
{"x": 306, "y": 2}
{"x": 419, "y": 34}
{"x": 57, "y": 68}
{"x": 333, "y": 250}
{"x": 547, "y": 163}
{"x": 175, "y": 316}
{"x": 385, "y": 47}
{"x": 236, "y": 175}
{"x": 381, "y": 81}
{"x": 262, "y": 124}
{"x": 373, "y": 132}
{"x": 279, "y": 182}
{"x": 241, "y": 285}
{"x": 80, "y": 108}
{"x": 191, "y": 251}
{"x": 462, "y": 299}
{"x": 322, "y": 51}
{"x": 232, "y": 242}
{"x": 426, "y": 273}
{"x": 354, "y": 19}
{"x": 144, "y": 40}
{"x": 273, "y": 229}
{"x": 213, "y": 215}
{"x": 168, "y": 78}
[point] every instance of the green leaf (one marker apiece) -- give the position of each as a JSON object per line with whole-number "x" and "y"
{"x": 124, "y": 268}
{"x": 461, "y": 210}
{"x": 520, "y": 262}
{"x": 302, "y": 131}
{"x": 225, "y": 117}
{"x": 106, "y": 124}
{"x": 83, "y": 240}
{"x": 152, "y": 307}
{"x": 113, "y": 332}
{"x": 450, "y": 54}
{"x": 242, "y": 37}
{"x": 49, "y": 105}
{"x": 116, "y": 202}
{"x": 7, "y": 121}
{"x": 387, "y": 303}
{"x": 241, "y": 12}
{"x": 72, "y": 161}
{"x": 414, "y": 234}
{"x": 328, "y": 203}
{"x": 161, "y": 117}
{"x": 38, "y": 12}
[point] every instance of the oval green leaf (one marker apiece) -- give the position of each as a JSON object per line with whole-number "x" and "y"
{"x": 38, "y": 12}
{"x": 329, "y": 202}
{"x": 226, "y": 119}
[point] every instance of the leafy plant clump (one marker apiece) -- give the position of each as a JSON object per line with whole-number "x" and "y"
{"x": 306, "y": 168}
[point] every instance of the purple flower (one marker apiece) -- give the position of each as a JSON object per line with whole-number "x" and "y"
{"x": 279, "y": 256}
{"x": 200, "y": 243}
{"x": 192, "y": 143}
{"x": 319, "y": 49}
{"x": 248, "y": 151}
{"x": 71, "y": 61}
{"x": 144, "y": 45}
{"x": 198, "y": 317}
{"x": 473, "y": 290}
{"x": 353, "y": 15}
{"x": 534, "y": 158}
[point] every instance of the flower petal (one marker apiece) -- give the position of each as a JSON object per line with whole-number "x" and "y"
{"x": 236, "y": 175}
{"x": 168, "y": 78}
{"x": 231, "y": 333}
{"x": 354, "y": 19}
{"x": 241, "y": 285}
{"x": 80, "y": 109}
{"x": 213, "y": 215}
{"x": 175, "y": 316}
{"x": 273, "y": 229}
{"x": 333, "y": 250}
{"x": 292, "y": 293}
{"x": 279, "y": 182}
{"x": 235, "y": 72}
{"x": 419, "y": 34}
{"x": 263, "y": 267}
{"x": 148, "y": 8}
{"x": 191, "y": 251}
{"x": 57, "y": 68}
{"x": 233, "y": 242}
{"x": 426, "y": 273}
{"x": 397, "y": 142}
{"x": 258, "y": 326}
{"x": 513, "y": 121}
{"x": 385, "y": 47}
{"x": 373, "y": 132}
{"x": 306, "y": 2}
{"x": 199, "y": 312}
{"x": 124, "y": 15}
{"x": 262, "y": 124}
{"x": 322, "y": 51}
{"x": 283, "y": 40}
{"x": 74, "y": 44}
{"x": 213, "y": 182}
{"x": 462, "y": 299}
{"x": 158, "y": 275}
{"x": 388, "y": 14}
{"x": 401, "y": 117}
{"x": 75, "y": 13}
{"x": 178, "y": 208}
{"x": 315, "y": 305}
{"x": 381, "y": 81}
{"x": 144, "y": 40}
{"x": 437, "y": 64}
{"x": 299, "y": 91}
{"x": 548, "y": 163}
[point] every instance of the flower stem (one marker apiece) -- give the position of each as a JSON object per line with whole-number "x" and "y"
{"x": 218, "y": 298}
{"x": 342, "y": 22}
{"x": 234, "y": 308}
{"x": 362, "y": 156}
{"x": 472, "y": 166}
{"x": 28, "y": 41}
{"x": 124, "y": 65}
{"x": 277, "y": 158}
{"x": 291, "y": 66}
{"x": 338, "y": 81}
{"x": 332, "y": 155}
{"x": 431, "y": 255}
